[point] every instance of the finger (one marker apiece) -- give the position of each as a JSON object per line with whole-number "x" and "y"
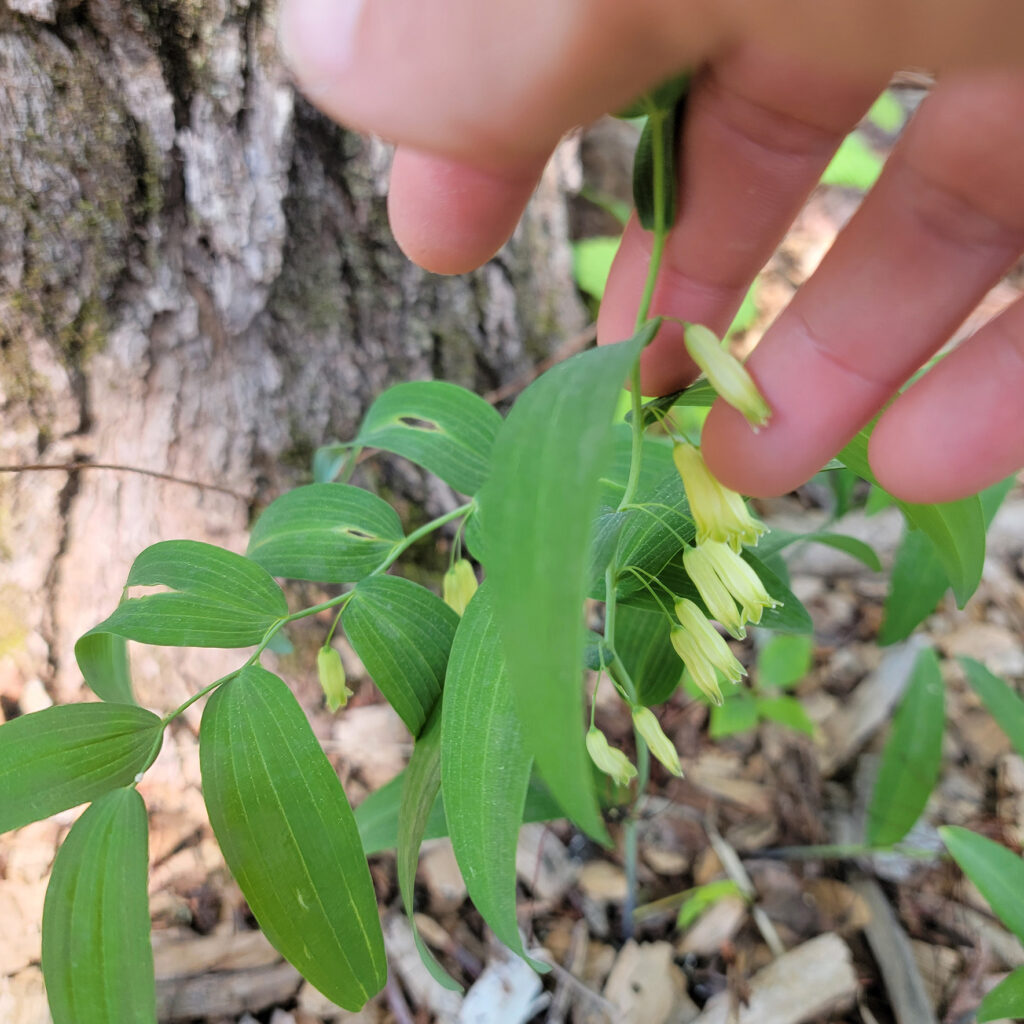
{"x": 450, "y": 217}
{"x": 944, "y": 222}
{"x": 758, "y": 133}
{"x": 491, "y": 84}
{"x": 959, "y": 428}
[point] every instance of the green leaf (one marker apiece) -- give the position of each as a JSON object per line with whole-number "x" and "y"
{"x": 912, "y": 756}
{"x": 855, "y": 165}
{"x": 64, "y": 756}
{"x": 642, "y": 642}
{"x": 778, "y": 539}
{"x": 216, "y": 599}
{"x": 538, "y": 511}
{"x": 328, "y": 533}
{"x": 1005, "y": 1001}
{"x": 403, "y": 634}
{"x": 442, "y": 427}
{"x": 97, "y": 959}
{"x": 787, "y": 711}
{"x": 916, "y": 585}
{"x": 996, "y": 871}
{"x": 665, "y": 109}
{"x": 485, "y": 769}
{"x": 103, "y": 660}
{"x": 377, "y": 815}
{"x": 591, "y": 263}
{"x": 790, "y": 616}
{"x": 746, "y": 315}
{"x": 738, "y": 713}
{"x": 289, "y": 837}
{"x": 1003, "y": 703}
{"x": 957, "y": 528}
{"x": 784, "y": 660}
{"x": 422, "y": 784}
{"x": 704, "y": 896}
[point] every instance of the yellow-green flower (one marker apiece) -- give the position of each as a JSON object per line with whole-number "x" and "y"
{"x": 739, "y": 579}
{"x": 609, "y": 760}
{"x": 718, "y": 513}
{"x": 332, "y": 678}
{"x": 727, "y": 375}
{"x": 703, "y": 650}
{"x": 654, "y": 736}
{"x": 459, "y": 585}
{"x": 712, "y": 589}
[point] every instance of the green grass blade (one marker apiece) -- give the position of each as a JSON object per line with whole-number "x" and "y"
{"x": 912, "y": 756}
{"x": 1002, "y": 701}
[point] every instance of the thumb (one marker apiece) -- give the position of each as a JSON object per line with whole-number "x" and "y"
{"x": 495, "y": 83}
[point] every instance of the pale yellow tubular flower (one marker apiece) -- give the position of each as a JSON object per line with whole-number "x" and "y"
{"x": 332, "y": 678}
{"x": 712, "y": 590}
{"x": 718, "y": 513}
{"x": 657, "y": 742}
{"x": 609, "y": 760}
{"x": 727, "y": 375}
{"x": 709, "y": 641}
{"x": 459, "y": 585}
{"x": 702, "y": 672}
{"x": 740, "y": 580}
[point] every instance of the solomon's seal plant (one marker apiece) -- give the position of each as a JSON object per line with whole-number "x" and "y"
{"x": 564, "y": 509}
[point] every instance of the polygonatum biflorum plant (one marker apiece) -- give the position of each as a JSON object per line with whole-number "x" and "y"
{"x": 566, "y": 510}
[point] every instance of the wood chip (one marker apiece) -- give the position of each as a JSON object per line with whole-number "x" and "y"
{"x": 810, "y": 981}
{"x": 939, "y": 967}
{"x": 715, "y": 927}
{"x": 603, "y": 882}
{"x": 226, "y": 993}
{"x": 870, "y": 707}
{"x": 509, "y": 991}
{"x": 180, "y": 955}
{"x": 373, "y": 741}
{"x": 996, "y": 647}
{"x": 641, "y": 986}
{"x": 312, "y": 1003}
{"x": 543, "y": 863}
{"x": 424, "y": 992}
{"x": 891, "y": 947}
{"x": 21, "y": 911}
{"x": 441, "y": 875}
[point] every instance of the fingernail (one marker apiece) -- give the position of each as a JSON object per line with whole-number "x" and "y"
{"x": 317, "y": 37}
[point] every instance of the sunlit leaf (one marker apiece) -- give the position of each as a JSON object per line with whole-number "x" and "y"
{"x": 442, "y": 427}
{"x": 591, "y": 263}
{"x": 422, "y": 783}
{"x": 855, "y": 165}
{"x": 538, "y": 507}
{"x": 403, "y": 634}
{"x": 784, "y": 660}
{"x": 329, "y": 533}
{"x": 738, "y": 713}
{"x": 916, "y": 585}
{"x": 485, "y": 769}
{"x": 288, "y": 835}
{"x": 96, "y": 955}
{"x": 912, "y": 756}
{"x": 778, "y": 539}
{"x": 64, "y": 756}
{"x": 787, "y": 711}
{"x": 213, "y": 598}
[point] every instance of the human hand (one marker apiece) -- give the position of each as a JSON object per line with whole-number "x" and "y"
{"x": 477, "y": 94}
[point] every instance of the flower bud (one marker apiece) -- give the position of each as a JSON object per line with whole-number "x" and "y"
{"x": 727, "y": 375}
{"x": 718, "y": 513}
{"x": 702, "y": 649}
{"x": 645, "y": 723}
{"x": 459, "y": 585}
{"x": 609, "y": 760}
{"x": 332, "y": 678}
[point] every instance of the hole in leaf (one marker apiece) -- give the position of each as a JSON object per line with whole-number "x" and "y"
{"x": 415, "y": 423}
{"x": 353, "y": 531}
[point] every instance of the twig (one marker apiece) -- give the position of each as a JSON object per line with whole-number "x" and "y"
{"x": 570, "y": 979}
{"x": 75, "y": 467}
{"x": 569, "y": 347}
{"x": 574, "y": 961}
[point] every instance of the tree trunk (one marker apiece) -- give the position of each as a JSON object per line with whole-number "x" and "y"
{"x": 197, "y": 279}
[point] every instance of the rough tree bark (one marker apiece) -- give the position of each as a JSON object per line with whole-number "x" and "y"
{"x": 196, "y": 278}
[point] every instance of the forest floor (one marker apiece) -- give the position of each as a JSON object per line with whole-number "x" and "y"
{"x": 799, "y": 938}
